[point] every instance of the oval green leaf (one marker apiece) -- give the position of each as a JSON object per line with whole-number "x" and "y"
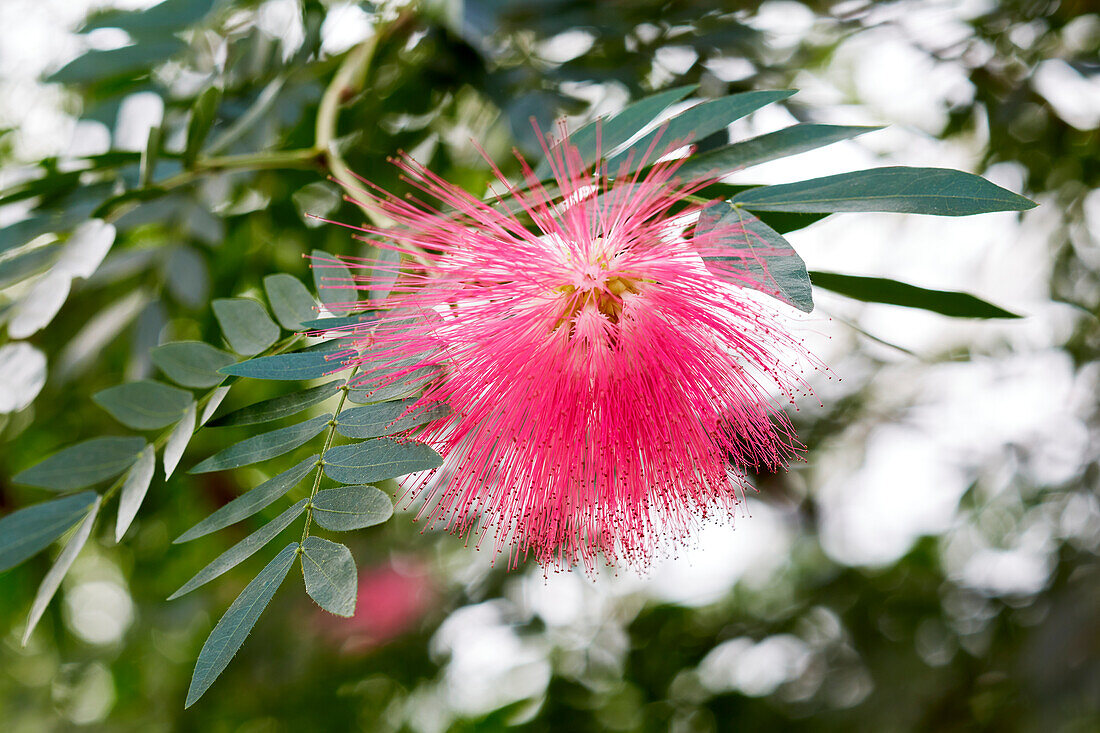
{"x": 251, "y": 502}
{"x": 287, "y": 367}
{"x": 279, "y": 407}
{"x": 245, "y": 324}
{"x": 83, "y": 464}
{"x": 232, "y": 629}
{"x": 144, "y": 405}
{"x": 351, "y": 507}
{"x": 28, "y": 531}
{"x": 291, "y": 302}
{"x": 938, "y": 191}
{"x": 333, "y": 281}
{"x": 261, "y": 447}
{"x": 191, "y": 363}
{"x": 378, "y": 459}
{"x": 330, "y": 576}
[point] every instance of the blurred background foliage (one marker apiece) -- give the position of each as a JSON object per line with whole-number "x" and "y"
{"x": 931, "y": 566}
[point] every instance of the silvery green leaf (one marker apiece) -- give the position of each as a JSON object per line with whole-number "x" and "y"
{"x": 263, "y": 446}
{"x": 178, "y": 440}
{"x": 329, "y": 572}
{"x": 37, "y": 308}
{"x": 230, "y": 632}
{"x": 245, "y": 324}
{"x": 387, "y": 418}
{"x": 351, "y": 507}
{"x": 213, "y": 403}
{"x": 24, "y": 370}
{"x": 377, "y": 459}
{"x": 52, "y": 581}
{"x": 83, "y": 464}
{"x": 134, "y": 489}
{"x": 192, "y": 363}
{"x": 27, "y": 531}
{"x": 290, "y": 300}
{"x": 145, "y": 404}
{"x": 86, "y": 248}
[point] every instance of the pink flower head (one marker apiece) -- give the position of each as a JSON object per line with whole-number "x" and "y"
{"x": 609, "y": 377}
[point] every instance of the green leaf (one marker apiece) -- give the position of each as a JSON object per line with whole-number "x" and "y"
{"x": 23, "y": 265}
{"x": 287, "y": 367}
{"x": 249, "y": 503}
{"x": 386, "y": 418}
{"x": 377, "y": 459}
{"x": 162, "y": 19}
{"x": 191, "y": 363}
{"x": 693, "y": 125}
{"x": 292, "y": 303}
{"x": 261, "y": 447}
{"x": 202, "y": 119}
{"x": 52, "y": 581}
{"x": 83, "y": 464}
{"x": 779, "y": 144}
{"x": 318, "y": 324}
{"x": 351, "y": 507}
{"x": 28, "y": 531}
{"x": 333, "y": 282}
{"x": 329, "y": 572}
{"x": 149, "y": 156}
{"x": 615, "y": 130}
{"x": 939, "y": 191}
{"x": 245, "y": 324}
{"x": 134, "y": 489}
{"x": 144, "y": 405}
{"x": 279, "y": 407}
{"x": 234, "y": 626}
{"x": 882, "y": 290}
{"x": 784, "y": 222}
{"x": 178, "y": 440}
{"x": 243, "y": 550}
{"x": 100, "y": 66}
{"x": 733, "y": 241}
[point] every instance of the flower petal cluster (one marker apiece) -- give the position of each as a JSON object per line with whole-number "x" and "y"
{"x": 607, "y": 389}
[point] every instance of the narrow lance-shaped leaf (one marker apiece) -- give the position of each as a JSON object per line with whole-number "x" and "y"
{"x": 230, "y": 632}
{"x": 377, "y": 459}
{"x": 329, "y": 572}
{"x": 191, "y": 363}
{"x": 939, "y": 191}
{"x": 98, "y": 66}
{"x": 606, "y": 134}
{"x": 83, "y": 464}
{"x": 202, "y": 119}
{"x": 214, "y": 402}
{"x": 245, "y": 324}
{"x": 693, "y": 125}
{"x": 261, "y": 447}
{"x": 387, "y": 418}
{"x": 287, "y": 367}
{"x": 178, "y": 440}
{"x": 144, "y": 405}
{"x": 290, "y": 300}
{"x": 771, "y": 146}
{"x": 333, "y": 281}
{"x": 52, "y": 581}
{"x": 351, "y": 507}
{"x": 251, "y": 501}
{"x": 279, "y": 407}
{"x": 734, "y": 243}
{"x": 243, "y": 550}
{"x": 134, "y": 489}
{"x": 892, "y": 292}
{"x": 28, "y": 531}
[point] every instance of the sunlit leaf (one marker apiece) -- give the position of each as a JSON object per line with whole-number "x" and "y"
{"x": 191, "y": 363}
{"x": 377, "y": 459}
{"x": 939, "y": 191}
{"x": 883, "y": 290}
{"x": 144, "y": 405}
{"x": 231, "y": 630}
{"x": 164, "y": 18}
{"x": 245, "y": 324}
{"x": 52, "y": 581}
{"x": 351, "y": 507}
{"x": 23, "y": 265}
{"x": 252, "y": 501}
{"x": 134, "y": 489}
{"x": 330, "y": 576}
{"x": 83, "y": 464}
{"x": 27, "y": 531}
{"x": 178, "y": 440}
{"x": 261, "y": 447}
{"x": 243, "y": 550}
{"x": 202, "y": 119}
{"x": 279, "y": 407}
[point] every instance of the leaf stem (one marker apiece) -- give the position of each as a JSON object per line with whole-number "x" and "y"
{"x": 329, "y": 437}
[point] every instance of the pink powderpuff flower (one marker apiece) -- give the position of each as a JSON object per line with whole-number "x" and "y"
{"x": 610, "y": 376}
